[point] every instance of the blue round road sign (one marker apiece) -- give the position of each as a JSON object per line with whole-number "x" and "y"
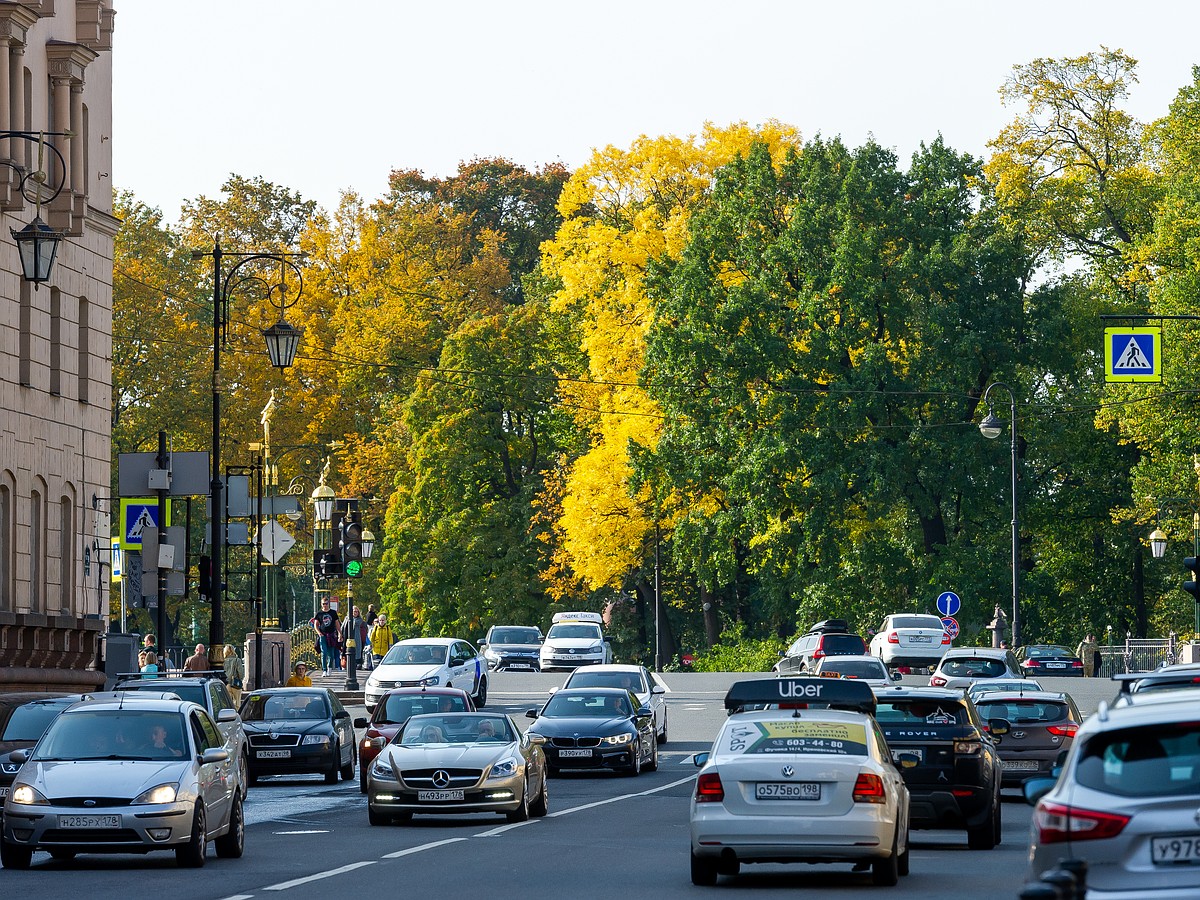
{"x": 951, "y": 625}
{"x": 948, "y": 603}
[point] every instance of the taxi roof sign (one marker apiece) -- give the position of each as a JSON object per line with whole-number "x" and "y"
{"x": 834, "y": 693}
{"x": 578, "y": 617}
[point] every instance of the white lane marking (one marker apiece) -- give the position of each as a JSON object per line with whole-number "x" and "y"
{"x": 285, "y": 885}
{"x": 240, "y": 897}
{"x": 411, "y": 850}
{"x": 307, "y": 831}
{"x": 503, "y": 828}
{"x": 605, "y": 802}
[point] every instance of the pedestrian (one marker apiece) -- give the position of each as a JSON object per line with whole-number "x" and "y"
{"x": 381, "y": 639}
{"x": 299, "y": 676}
{"x": 150, "y": 642}
{"x": 354, "y": 637}
{"x": 198, "y": 661}
{"x": 371, "y": 615}
{"x": 1088, "y": 652}
{"x": 149, "y": 660}
{"x": 235, "y": 674}
{"x": 327, "y": 625}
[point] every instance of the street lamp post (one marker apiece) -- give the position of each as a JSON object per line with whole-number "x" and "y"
{"x": 1158, "y": 543}
{"x": 282, "y": 341}
{"x": 37, "y": 243}
{"x": 991, "y": 428}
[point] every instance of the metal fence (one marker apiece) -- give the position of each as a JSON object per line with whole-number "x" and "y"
{"x": 304, "y": 639}
{"x": 1138, "y": 655}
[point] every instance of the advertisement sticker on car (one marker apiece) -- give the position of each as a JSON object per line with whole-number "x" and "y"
{"x": 800, "y": 736}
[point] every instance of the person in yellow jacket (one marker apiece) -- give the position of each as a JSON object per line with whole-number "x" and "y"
{"x": 381, "y": 639}
{"x": 299, "y": 676}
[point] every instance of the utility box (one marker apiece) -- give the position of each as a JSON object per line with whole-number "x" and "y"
{"x": 276, "y": 659}
{"x": 1190, "y": 653}
{"x": 120, "y": 654}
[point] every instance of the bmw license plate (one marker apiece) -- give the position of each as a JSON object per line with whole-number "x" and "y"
{"x": 787, "y": 790}
{"x": 89, "y": 821}
{"x": 575, "y": 754}
{"x": 1172, "y": 851}
{"x": 273, "y": 754}
{"x": 434, "y": 796}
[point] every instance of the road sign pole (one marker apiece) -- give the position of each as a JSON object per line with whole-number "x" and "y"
{"x": 163, "y": 500}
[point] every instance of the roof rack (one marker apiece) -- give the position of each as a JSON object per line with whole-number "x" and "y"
{"x": 173, "y": 673}
{"x": 801, "y": 692}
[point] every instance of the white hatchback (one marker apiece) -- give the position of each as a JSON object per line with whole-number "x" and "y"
{"x": 799, "y": 784}
{"x": 910, "y": 639}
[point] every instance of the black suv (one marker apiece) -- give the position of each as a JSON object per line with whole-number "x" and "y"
{"x": 829, "y": 638}
{"x": 948, "y": 758}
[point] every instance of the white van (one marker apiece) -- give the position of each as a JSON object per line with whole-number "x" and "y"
{"x": 575, "y": 639}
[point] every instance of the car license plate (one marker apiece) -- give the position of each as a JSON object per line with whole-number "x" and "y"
{"x": 1170, "y": 851}
{"x": 273, "y": 754}
{"x": 519, "y": 665}
{"x": 3, "y": 792}
{"x": 918, "y": 752}
{"x": 787, "y": 790}
{"x": 1056, "y": 665}
{"x": 433, "y": 796}
{"x": 920, "y": 639}
{"x": 1020, "y": 765}
{"x": 575, "y": 754}
{"x": 89, "y": 821}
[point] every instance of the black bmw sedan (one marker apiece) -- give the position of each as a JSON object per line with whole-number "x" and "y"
{"x": 299, "y": 730}
{"x": 596, "y": 728}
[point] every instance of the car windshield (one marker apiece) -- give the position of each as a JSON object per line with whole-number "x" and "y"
{"x": 972, "y": 667}
{"x": 114, "y": 734}
{"x": 514, "y": 636}
{"x": 1023, "y": 712}
{"x": 912, "y": 711}
{"x": 449, "y": 729}
{"x": 29, "y": 722}
{"x": 193, "y": 693}
{"x": 416, "y": 654}
{"x": 630, "y": 681}
{"x": 844, "y": 644}
{"x": 398, "y": 708}
{"x": 854, "y": 668}
{"x": 285, "y": 705}
{"x": 576, "y": 630}
{"x": 794, "y": 736}
{"x": 597, "y": 706}
{"x": 918, "y": 622}
{"x": 1160, "y": 760}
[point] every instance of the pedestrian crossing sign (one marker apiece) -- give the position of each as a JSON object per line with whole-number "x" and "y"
{"x": 138, "y": 514}
{"x": 1133, "y": 354}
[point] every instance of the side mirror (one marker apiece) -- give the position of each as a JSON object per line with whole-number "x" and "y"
{"x": 214, "y": 755}
{"x": 531, "y": 713}
{"x": 553, "y": 690}
{"x": 699, "y": 759}
{"x": 658, "y": 689}
{"x": 360, "y": 722}
{"x": 896, "y": 676}
{"x": 607, "y": 639}
{"x": 341, "y": 714}
{"x": 536, "y": 739}
{"x": 228, "y": 714}
{"x": 643, "y": 711}
{"x": 1035, "y": 789}
{"x": 998, "y": 726}
{"x": 18, "y": 757}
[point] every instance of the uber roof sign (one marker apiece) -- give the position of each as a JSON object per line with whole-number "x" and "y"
{"x": 820, "y": 692}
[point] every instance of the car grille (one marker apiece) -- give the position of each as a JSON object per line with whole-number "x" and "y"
{"x": 386, "y": 685}
{"x": 90, "y": 836}
{"x": 459, "y": 778}
{"x": 279, "y": 740}
{"x": 575, "y": 742}
{"x": 88, "y": 802}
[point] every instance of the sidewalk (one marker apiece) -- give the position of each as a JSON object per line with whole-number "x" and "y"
{"x": 336, "y": 682}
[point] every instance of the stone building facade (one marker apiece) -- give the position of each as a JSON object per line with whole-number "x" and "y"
{"x": 56, "y": 345}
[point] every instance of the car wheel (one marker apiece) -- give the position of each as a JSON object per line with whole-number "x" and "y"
{"x": 192, "y": 854}
{"x": 14, "y": 856}
{"x": 521, "y": 813}
{"x": 730, "y": 866}
{"x": 652, "y": 766}
{"x": 232, "y": 844}
{"x": 62, "y": 855}
{"x": 541, "y": 805}
{"x": 984, "y": 837}
{"x": 886, "y": 872}
{"x": 704, "y": 870}
{"x": 331, "y": 776}
{"x": 244, "y": 773}
{"x": 635, "y": 768}
{"x": 999, "y": 824}
{"x": 348, "y": 769}
{"x": 903, "y": 866}
{"x": 377, "y": 818}
{"x": 480, "y": 697}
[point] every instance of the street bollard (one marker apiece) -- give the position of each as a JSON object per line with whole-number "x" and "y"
{"x": 1061, "y": 879}
{"x": 1078, "y": 868}
{"x": 1038, "y": 890}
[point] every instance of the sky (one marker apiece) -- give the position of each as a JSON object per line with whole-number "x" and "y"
{"x": 323, "y": 98}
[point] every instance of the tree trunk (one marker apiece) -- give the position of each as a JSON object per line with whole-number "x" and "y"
{"x": 712, "y": 619}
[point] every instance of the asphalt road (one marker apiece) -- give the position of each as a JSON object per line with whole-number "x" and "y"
{"x": 605, "y": 834}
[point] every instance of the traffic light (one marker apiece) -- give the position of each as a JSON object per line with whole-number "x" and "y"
{"x": 1193, "y": 586}
{"x": 352, "y": 549}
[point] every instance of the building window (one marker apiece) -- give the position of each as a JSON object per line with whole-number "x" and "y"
{"x": 56, "y": 341}
{"x": 83, "y": 352}
{"x": 7, "y": 590}
{"x": 66, "y": 553}
{"x": 37, "y": 551}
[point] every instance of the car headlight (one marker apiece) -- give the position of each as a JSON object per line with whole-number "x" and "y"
{"x": 431, "y": 680}
{"x": 618, "y": 739}
{"x": 489, "y": 653}
{"x": 376, "y": 743}
{"x": 383, "y": 769}
{"x": 163, "y": 793}
{"x": 315, "y": 739}
{"x": 27, "y": 796}
{"x": 506, "y": 768}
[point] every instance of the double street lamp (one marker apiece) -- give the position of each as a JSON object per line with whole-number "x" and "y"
{"x": 282, "y": 342}
{"x": 991, "y": 428}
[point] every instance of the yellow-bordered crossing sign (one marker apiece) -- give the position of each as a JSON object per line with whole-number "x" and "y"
{"x": 1133, "y": 353}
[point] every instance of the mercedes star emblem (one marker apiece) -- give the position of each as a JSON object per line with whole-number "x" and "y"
{"x": 441, "y": 778}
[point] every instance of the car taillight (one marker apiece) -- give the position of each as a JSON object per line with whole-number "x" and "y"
{"x": 709, "y": 788}
{"x": 1067, "y": 730}
{"x": 818, "y": 654}
{"x": 946, "y": 637}
{"x": 1031, "y": 664}
{"x": 1076, "y": 664}
{"x": 893, "y": 638}
{"x": 868, "y": 788}
{"x": 1056, "y": 823}
{"x": 937, "y": 681}
{"x": 968, "y": 748}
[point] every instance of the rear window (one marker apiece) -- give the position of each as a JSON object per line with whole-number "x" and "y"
{"x": 920, "y": 711}
{"x": 843, "y": 644}
{"x": 630, "y": 681}
{"x": 1151, "y": 761}
{"x": 794, "y": 736}
{"x": 1048, "y": 652}
{"x": 855, "y": 668}
{"x": 971, "y": 667}
{"x": 918, "y": 622}
{"x": 1023, "y": 712}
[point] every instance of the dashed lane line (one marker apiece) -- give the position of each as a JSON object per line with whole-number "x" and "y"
{"x": 296, "y": 882}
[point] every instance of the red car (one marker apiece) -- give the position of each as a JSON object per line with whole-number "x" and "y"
{"x": 394, "y": 709}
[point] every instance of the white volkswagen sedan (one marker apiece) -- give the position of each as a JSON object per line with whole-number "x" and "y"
{"x": 796, "y": 783}
{"x": 650, "y": 690}
{"x": 864, "y": 668}
{"x": 429, "y": 662}
{"x": 910, "y": 639}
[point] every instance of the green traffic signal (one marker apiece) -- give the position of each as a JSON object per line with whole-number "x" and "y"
{"x": 353, "y": 568}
